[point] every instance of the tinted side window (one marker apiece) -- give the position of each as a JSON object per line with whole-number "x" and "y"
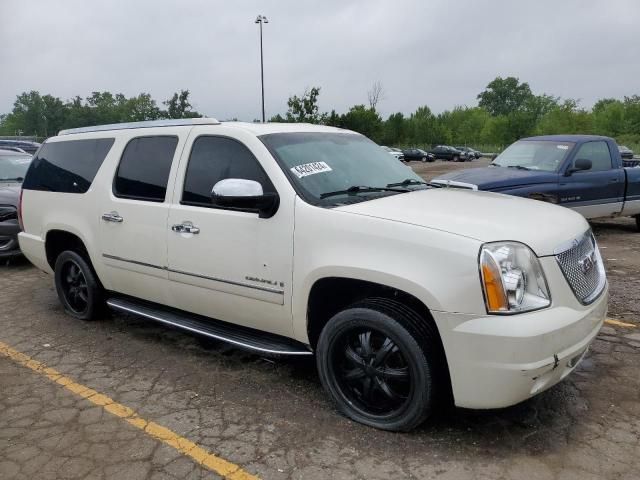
{"x": 144, "y": 168}
{"x": 598, "y": 153}
{"x": 216, "y": 158}
{"x": 67, "y": 166}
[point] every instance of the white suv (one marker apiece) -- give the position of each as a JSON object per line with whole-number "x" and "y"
{"x": 300, "y": 239}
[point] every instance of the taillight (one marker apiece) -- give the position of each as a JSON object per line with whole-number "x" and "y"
{"x": 20, "y": 222}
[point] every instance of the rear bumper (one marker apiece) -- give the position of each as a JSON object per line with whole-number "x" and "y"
{"x": 498, "y": 361}
{"x": 33, "y": 248}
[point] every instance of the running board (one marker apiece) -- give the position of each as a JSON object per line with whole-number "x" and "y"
{"x": 242, "y": 337}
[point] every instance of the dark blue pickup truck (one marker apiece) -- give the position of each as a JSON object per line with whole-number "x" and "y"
{"x": 582, "y": 172}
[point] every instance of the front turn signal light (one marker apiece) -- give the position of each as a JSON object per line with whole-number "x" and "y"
{"x": 494, "y": 290}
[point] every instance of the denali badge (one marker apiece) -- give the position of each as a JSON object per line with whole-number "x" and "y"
{"x": 275, "y": 283}
{"x": 587, "y": 262}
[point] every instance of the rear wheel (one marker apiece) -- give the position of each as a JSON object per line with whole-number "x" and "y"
{"x": 372, "y": 365}
{"x": 77, "y": 286}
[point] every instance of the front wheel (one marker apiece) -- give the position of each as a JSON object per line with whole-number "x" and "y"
{"x": 455, "y": 158}
{"x": 374, "y": 369}
{"x": 77, "y": 286}
{"x": 424, "y": 159}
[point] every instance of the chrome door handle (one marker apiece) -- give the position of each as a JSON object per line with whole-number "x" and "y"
{"x": 186, "y": 227}
{"x": 112, "y": 217}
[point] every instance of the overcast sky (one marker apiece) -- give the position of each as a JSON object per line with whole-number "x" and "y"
{"x": 439, "y": 53}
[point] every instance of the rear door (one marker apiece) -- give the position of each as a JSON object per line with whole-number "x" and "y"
{"x": 598, "y": 192}
{"x": 133, "y": 219}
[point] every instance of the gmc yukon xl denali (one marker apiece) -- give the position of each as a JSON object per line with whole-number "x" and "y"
{"x": 292, "y": 239}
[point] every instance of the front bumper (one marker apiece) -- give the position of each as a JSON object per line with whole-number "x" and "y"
{"x": 498, "y": 361}
{"x": 9, "y": 239}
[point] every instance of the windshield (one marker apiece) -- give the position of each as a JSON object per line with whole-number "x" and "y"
{"x": 534, "y": 155}
{"x": 14, "y": 167}
{"x": 320, "y": 163}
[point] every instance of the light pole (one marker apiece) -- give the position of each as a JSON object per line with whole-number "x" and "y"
{"x": 262, "y": 19}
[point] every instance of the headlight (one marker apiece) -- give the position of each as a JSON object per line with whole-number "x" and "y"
{"x": 512, "y": 278}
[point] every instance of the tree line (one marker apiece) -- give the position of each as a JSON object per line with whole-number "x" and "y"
{"x": 507, "y": 110}
{"x": 45, "y": 115}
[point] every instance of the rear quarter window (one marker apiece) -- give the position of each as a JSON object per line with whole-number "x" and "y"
{"x": 67, "y": 166}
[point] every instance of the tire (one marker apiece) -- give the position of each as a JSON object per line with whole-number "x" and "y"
{"x": 638, "y": 222}
{"x": 78, "y": 287}
{"x": 455, "y": 158}
{"x": 356, "y": 353}
{"x": 424, "y": 159}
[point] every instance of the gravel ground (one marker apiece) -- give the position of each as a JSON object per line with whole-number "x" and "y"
{"x": 272, "y": 418}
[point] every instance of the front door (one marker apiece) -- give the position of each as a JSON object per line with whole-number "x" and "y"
{"x": 598, "y": 192}
{"x": 229, "y": 264}
{"x": 133, "y": 220}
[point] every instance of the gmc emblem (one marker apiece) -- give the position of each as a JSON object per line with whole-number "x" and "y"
{"x": 587, "y": 262}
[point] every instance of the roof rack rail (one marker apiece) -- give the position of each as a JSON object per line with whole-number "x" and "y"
{"x": 147, "y": 124}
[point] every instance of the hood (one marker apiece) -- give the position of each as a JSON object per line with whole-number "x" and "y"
{"x": 484, "y": 216}
{"x": 499, "y": 178}
{"x": 10, "y": 193}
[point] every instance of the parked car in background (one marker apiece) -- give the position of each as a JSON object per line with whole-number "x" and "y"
{"x": 445, "y": 152}
{"x": 625, "y": 152}
{"x": 297, "y": 239}
{"x": 583, "y": 172}
{"x": 27, "y": 146}
{"x": 471, "y": 153}
{"x": 13, "y": 168}
{"x": 418, "y": 154}
{"x": 14, "y": 149}
{"x": 395, "y": 152}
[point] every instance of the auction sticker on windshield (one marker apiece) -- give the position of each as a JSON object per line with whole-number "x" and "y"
{"x": 312, "y": 168}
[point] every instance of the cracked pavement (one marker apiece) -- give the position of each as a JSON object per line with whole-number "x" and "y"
{"x": 272, "y": 418}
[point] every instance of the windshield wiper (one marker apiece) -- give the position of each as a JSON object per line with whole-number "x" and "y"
{"x": 519, "y": 167}
{"x": 407, "y": 182}
{"x": 362, "y": 189}
{"x": 14, "y": 179}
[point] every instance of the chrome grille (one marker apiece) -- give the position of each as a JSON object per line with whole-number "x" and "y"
{"x": 582, "y": 266}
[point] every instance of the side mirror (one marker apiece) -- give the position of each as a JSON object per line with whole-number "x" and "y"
{"x": 579, "y": 165}
{"x": 244, "y": 194}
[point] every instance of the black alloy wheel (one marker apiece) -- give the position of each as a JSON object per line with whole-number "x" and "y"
{"x": 371, "y": 371}
{"x": 377, "y": 372}
{"x": 74, "y": 287}
{"x": 77, "y": 286}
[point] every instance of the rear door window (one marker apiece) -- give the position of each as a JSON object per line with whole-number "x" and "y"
{"x": 144, "y": 168}
{"x": 67, "y": 166}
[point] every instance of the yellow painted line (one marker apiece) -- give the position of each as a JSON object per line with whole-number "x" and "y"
{"x": 208, "y": 460}
{"x": 611, "y": 321}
